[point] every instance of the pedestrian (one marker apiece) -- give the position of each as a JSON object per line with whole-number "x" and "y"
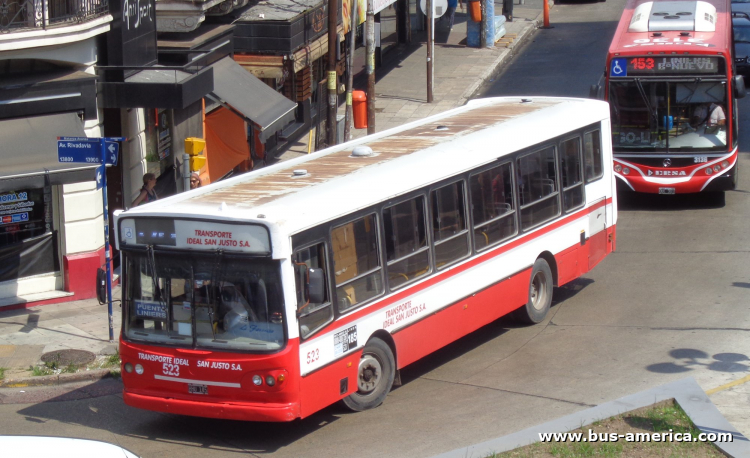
{"x": 147, "y": 194}
{"x": 450, "y": 13}
{"x": 195, "y": 180}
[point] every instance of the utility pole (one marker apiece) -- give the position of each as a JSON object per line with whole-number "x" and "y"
{"x": 430, "y": 48}
{"x": 483, "y": 24}
{"x": 350, "y": 80}
{"x": 370, "y": 68}
{"x": 332, "y": 93}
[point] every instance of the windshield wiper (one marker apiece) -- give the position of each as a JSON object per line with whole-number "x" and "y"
{"x": 154, "y": 280}
{"x": 651, "y": 111}
{"x": 216, "y": 288}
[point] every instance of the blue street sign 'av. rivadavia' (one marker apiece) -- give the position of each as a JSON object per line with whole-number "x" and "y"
{"x": 86, "y": 150}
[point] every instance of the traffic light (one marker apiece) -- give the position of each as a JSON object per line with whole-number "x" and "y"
{"x": 193, "y": 148}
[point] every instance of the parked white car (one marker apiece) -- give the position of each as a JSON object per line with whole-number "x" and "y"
{"x": 59, "y": 447}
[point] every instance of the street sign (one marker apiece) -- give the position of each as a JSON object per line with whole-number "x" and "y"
{"x": 86, "y": 150}
{"x": 100, "y": 171}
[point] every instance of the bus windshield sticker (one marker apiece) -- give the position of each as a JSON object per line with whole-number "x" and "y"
{"x": 619, "y": 67}
{"x": 150, "y": 309}
{"x": 345, "y": 340}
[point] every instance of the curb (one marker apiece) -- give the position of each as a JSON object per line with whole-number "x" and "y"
{"x": 504, "y": 56}
{"x": 59, "y": 379}
{"x": 686, "y": 392}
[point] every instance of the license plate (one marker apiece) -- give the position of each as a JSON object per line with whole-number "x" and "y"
{"x": 666, "y": 190}
{"x": 197, "y": 389}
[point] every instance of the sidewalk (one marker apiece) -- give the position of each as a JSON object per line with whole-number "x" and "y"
{"x": 71, "y": 330}
{"x": 459, "y": 71}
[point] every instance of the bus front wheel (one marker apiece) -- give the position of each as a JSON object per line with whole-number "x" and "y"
{"x": 540, "y": 294}
{"x": 377, "y": 369}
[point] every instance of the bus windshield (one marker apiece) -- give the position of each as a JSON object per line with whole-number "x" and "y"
{"x": 203, "y": 300}
{"x": 668, "y": 116}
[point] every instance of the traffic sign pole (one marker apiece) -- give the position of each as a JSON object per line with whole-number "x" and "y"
{"x": 107, "y": 255}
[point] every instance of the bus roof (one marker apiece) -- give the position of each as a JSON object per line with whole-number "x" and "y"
{"x": 655, "y": 26}
{"x": 336, "y": 183}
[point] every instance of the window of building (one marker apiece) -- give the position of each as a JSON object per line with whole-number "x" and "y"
{"x": 407, "y": 251}
{"x": 492, "y": 205}
{"x": 538, "y": 187}
{"x": 572, "y": 175}
{"x": 356, "y": 262}
{"x": 449, "y": 229}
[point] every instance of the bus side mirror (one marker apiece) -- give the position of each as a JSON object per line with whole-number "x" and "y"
{"x": 316, "y": 289}
{"x": 596, "y": 92}
{"x": 738, "y": 83}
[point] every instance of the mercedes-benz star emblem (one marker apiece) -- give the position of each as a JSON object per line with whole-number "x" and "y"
{"x": 667, "y": 162}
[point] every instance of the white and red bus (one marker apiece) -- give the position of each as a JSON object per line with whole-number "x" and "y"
{"x": 274, "y": 294}
{"x": 672, "y": 90}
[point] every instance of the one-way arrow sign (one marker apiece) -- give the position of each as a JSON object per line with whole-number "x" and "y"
{"x": 100, "y": 171}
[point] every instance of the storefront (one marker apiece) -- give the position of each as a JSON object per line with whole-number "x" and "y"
{"x": 44, "y": 249}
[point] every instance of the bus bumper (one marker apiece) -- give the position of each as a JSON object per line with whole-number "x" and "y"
{"x": 678, "y": 181}
{"x": 229, "y": 411}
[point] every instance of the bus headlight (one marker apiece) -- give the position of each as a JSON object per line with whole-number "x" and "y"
{"x": 257, "y": 380}
{"x": 618, "y": 168}
{"x": 724, "y": 164}
{"x": 709, "y": 171}
{"x": 717, "y": 168}
{"x": 270, "y": 381}
{"x": 625, "y": 171}
{"x": 128, "y": 368}
{"x": 139, "y": 369}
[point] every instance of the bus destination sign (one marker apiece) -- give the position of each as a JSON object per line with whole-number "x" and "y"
{"x": 672, "y": 65}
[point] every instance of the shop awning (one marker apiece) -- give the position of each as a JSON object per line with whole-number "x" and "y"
{"x": 49, "y": 90}
{"x": 28, "y": 152}
{"x": 157, "y": 88}
{"x": 261, "y": 105}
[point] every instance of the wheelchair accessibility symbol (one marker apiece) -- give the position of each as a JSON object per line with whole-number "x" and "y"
{"x": 618, "y": 67}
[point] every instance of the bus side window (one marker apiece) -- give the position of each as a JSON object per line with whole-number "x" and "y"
{"x": 407, "y": 251}
{"x": 572, "y": 181}
{"x": 312, "y": 316}
{"x": 592, "y": 155}
{"x": 538, "y": 187}
{"x": 449, "y": 229}
{"x": 493, "y": 208}
{"x": 356, "y": 262}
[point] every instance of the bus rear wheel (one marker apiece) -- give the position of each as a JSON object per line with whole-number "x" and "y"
{"x": 540, "y": 294}
{"x": 377, "y": 370}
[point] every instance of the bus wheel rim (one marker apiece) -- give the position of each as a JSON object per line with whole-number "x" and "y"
{"x": 538, "y": 291}
{"x": 370, "y": 374}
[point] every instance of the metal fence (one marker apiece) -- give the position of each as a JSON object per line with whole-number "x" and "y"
{"x": 42, "y": 14}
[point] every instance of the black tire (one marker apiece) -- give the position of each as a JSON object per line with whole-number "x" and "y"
{"x": 377, "y": 369}
{"x": 540, "y": 294}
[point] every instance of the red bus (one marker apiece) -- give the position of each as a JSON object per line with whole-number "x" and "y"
{"x": 274, "y": 294}
{"x": 673, "y": 93}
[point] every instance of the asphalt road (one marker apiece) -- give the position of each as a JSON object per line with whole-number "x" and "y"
{"x": 670, "y": 303}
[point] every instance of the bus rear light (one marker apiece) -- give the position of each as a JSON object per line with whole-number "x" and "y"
{"x": 618, "y": 168}
{"x": 257, "y": 380}
{"x": 625, "y": 171}
{"x": 717, "y": 168}
{"x": 709, "y": 171}
{"x": 139, "y": 369}
{"x": 128, "y": 368}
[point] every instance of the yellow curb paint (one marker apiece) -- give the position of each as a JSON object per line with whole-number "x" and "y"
{"x": 728, "y": 385}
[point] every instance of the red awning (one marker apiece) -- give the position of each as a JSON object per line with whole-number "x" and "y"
{"x": 226, "y": 143}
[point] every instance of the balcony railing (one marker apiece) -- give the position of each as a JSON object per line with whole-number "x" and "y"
{"x": 16, "y": 16}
